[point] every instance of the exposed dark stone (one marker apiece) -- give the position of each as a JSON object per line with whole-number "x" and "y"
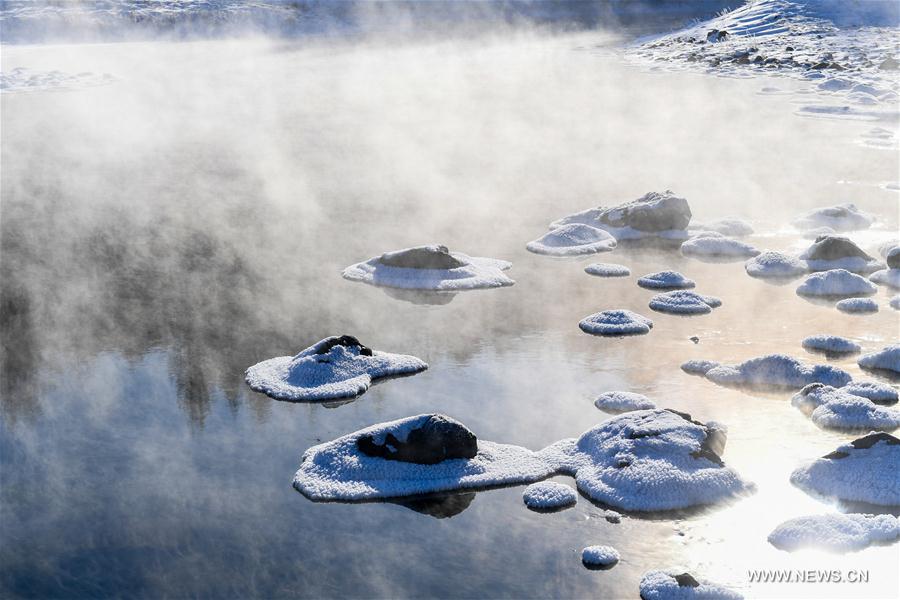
{"x": 437, "y": 439}
{"x": 790, "y": 48}
{"x": 716, "y": 35}
{"x": 653, "y": 212}
{"x": 695, "y": 339}
{"x": 867, "y": 441}
{"x": 713, "y": 444}
{"x": 820, "y": 65}
{"x": 836, "y": 455}
{"x": 834, "y": 247}
{"x": 325, "y": 346}
{"x": 422, "y": 257}
{"x": 893, "y": 258}
{"x": 889, "y": 64}
{"x": 686, "y": 580}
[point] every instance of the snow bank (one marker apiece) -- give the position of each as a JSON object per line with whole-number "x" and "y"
{"x": 656, "y": 214}
{"x": 864, "y": 470}
{"x": 775, "y": 265}
{"x": 665, "y": 280}
{"x": 599, "y": 556}
{"x": 619, "y": 402}
{"x": 684, "y": 302}
{"x": 336, "y": 367}
{"x": 836, "y": 283}
{"x": 838, "y": 252}
{"x": 841, "y": 217}
{"x": 549, "y": 495}
{"x": 672, "y": 585}
{"x": 886, "y": 359}
{"x": 431, "y": 267}
{"x": 717, "y": 246}
{"x": 771, "y": 371}
{"x": 857, "y": 306}
{"x": 832, "y": 408}
{"x": 607, "y": 270}
{"x": 835, "y": 532}
{"x": 615, "y": 323}
{"x": 574, "y": 239}
{"x": 887, "y": 277}
{"x": 831, "y": 344}
{"x": 729, "y": 226}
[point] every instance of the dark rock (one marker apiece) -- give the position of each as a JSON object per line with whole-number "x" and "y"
{"x": 790, "y": 48}
{"x": 742, "y": 60}
{"x": 695, "y": 339}
{"x": 867, "y": 441}
{"x": 716, "y": 35}
{"x": 325, "y": 346}
{"x": 834, "y": 247}
{"x": 686, "y": 580}
{"x": 437, "y": 439}
{"x": 837, "y": 67}
{"x": 758, "y": 59}
{"x": 820, "y": 65}
{"x": 893, "y": 258}
{"x": 442, "y": 506}
{"x": 889, "y": 64}
{"x": 713, "y": 444}
{"x": 422, "y": 257}
{"x": 653, "y": 212}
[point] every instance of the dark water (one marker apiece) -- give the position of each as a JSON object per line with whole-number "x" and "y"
{"x": 162, "y": 233}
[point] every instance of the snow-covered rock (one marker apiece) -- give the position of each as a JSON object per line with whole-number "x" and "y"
{"x": 887, "y": 277}
{"x": 574, "y": 239}
{"x": 895, "y": 302}
{"x": 599, "y": 556}
{"x": 835, "y": 532}
{"x": 831, "y": 344}
{"x": 653, "y": 215}
{"x": 335, "y": 367}
{"x": 865, "y": 470}
{"x": 699, "y": 367}
{"x": 672, "y": 585}
{"x": 607, "y": 270}
{"x": 886, "y": 359}
{"x": 549, "y": 495}
{"x": 615, "y": 323}
{"x": 841, "y": 217}
{"x": 428, "y": 440}
{"x": 720, "y": 247}
{"x": 729, "y": 226}
{"x": 835, "y": 408}
{"x": 879, "y": 393}
{"x": 619, "y": 402}
{"x": 836, "y": 283}
{"x": 431, "y": 267}
{"x": 890, "y": 251}
{"x": 665, "y": 280}
{"x": 838, "y": 252}
{"x": 775, "y": 265}
{"x": 684, "y": 302}
{"x": 771, "y": 371}
{"x": 857, "y": 306}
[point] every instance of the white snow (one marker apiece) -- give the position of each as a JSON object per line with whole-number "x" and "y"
{"x": 886, "y": 359}
{"x": 619, "y": 402}
{"x": 607, "y": 270}
{"x": 600, "y": 556}
{"x": 684, "y": 302}
{"x": 879, "y": 393}
{"x": 719, "y": 247}
{"x": 856, "y": 473}
{"x": 832, "y": 408}
{"x": 616, "y": 322}
{"x": 663, "y": 585}
{"x": 342, "y": 372}
{"x": 729, "y": 226}
{"x": 549, "y": 495}
{"x": 857, "y": 306}
{"x": 773, "y": 370}
{"x": 836, "y": 283}
{"x": 887, "y": 277}
{"x": 475, "y": 273}
{"x": 574, "y": 239}
{"x": 21, "y": 79}
{"x": 665, "y": 280}
{"x": 835, "y": 532}
{"x": 775, "y": 265}
{"x": 831, "y": 344}
{"x": 841, "y": 217}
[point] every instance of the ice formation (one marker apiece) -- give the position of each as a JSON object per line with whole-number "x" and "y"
{"x": 857, "y": 305}
{"x": 599, "y": 556}
{"x": 831, "y": 344}
{"x": 619, "y": 402}
{"x": 665, "y": 280}
{"x": 655, "y": 214}
{"x": 336, "y": 367}
{"x": 616, "y": 323}
{"x": 835, "y": 532}
{"x": 771, "y": 371}
{"x": 775, "y": 265}
{"x": 838, "y": 252}
{"x": 865, "y": 470}
{"x": 607, "y": 270}
{"x": 836, "y": 283}
{"x": 549, "y": 495}
{"x": 672, "y": 585}
{"x": 841, "y": 217}
{"x": 430, "y": 268}
{"x": 836, "y": 408}
{"x": 887, "y": 277}
{"x": 729, "y": 226}
{"x": 886, "y": 359}
{"x": 574, "y": 239}
{"x": 684, "y": 302}
{"x": 717, "y": 246}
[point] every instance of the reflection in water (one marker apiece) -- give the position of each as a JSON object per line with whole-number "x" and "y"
{"x": 420, "y": 297}
{"x": 441, "y": 506}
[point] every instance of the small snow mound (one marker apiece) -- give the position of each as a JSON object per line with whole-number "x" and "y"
{"x": 671, "y": 585}
{"x": 599, "y": 556}
{"x": 776, "y": 371}
{"x": 549, "y": 495}
{"x": 832, "y": 344}
{"x": 574, "y": 239}
{"x": 836, "y": 283}
{"x": 832, "y": 408}
{"x": 841, "y": 217}
{"x": 665, "y": 280}
{"x": 717, "y": 247}
{"x": 728, "y": 226}
{"x": 887, "y": 359}
{"x": 684, "y": 302}
{"x": 775, "y": 265}
{"x": 619, "y": 402}
{"x": 607, "y": 270}
{"x": 616, "y": 323}
{"x": 835, "y": 532}
{"x": 857, "y": 306}
{"x": 886, "y": 277}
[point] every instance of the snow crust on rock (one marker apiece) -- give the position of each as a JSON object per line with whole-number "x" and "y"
{"x": 838, "y": 252}
{"x": 340, "y": 372}
{"x": 607, "y": 270}
{"x": 672, "y": 584}
{"x": 615, "y": 219}
{"x": 699, "y": 367}
{"x": 857, "y": 305}
{"x": 879, "y": 393}
{"x": 574, "y": 239}
{"x": 836, "y": 283}
{"x": 717, "y": 246}
{"x": 548, "y": 495}
{"x": 895, "y": 302}
{"x": 886, "y": 359}
{"x": 831, "y": 344}
{"x": 665, "y": 280}
{"x": 835, "y": 532}
{"x": 600, "y": 556}
{"x": 619, "y": 402}
{"x": 615, "y": 323}
{"x": 771, "y": 264}
{"x": 832, "y": 408}
{"x": 729, "y": 226}
{"x": 684, "y": 302}
{"x": 887, "y": 277}
{"x": 473, "y": 272}
{"x": 773, "y": 370}
{"x": 864, "y": 470}
{"x": 840, "y": 217}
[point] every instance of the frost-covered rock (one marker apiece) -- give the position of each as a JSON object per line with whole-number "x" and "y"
{"x": 729, "y": 226}
{"x": 835, "y": 532}
{"x": 838, "y": 252}
{"x": 672, "y": 585}
{"x": 718, "y": 246}
{"x": 836, "y": 283}
{"x": 833, "y": 408}
{"x": 431, "y": 267}
{"x": 426, "y": 441}
{"x": 574, "y": 239}
{"x": 684, "y": 302}
{"x": 879, "y": 393}
{"x": 841, "y": 217}
{"x": 831, "y": 344}
{"x": 665, "y": 280}
{"x": 864, "y": 470}
{"x": 892, "y": 255}
{"x": 886, "y": 359}
{"x": 654, "y": 214}
{"x": 887, "y": 277}
{"x": 615, "y": 323}
{"x": 549, "y": 495}
{"x": 619, "y": 402}
{"x": 607, "y": 270}
{"x": 775, "y": 265}
{"x": 336, "y": 367}
{"x": 857, "y": 306}
{"x": 771, "y": 371}
{"x": 599, "y": 556}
